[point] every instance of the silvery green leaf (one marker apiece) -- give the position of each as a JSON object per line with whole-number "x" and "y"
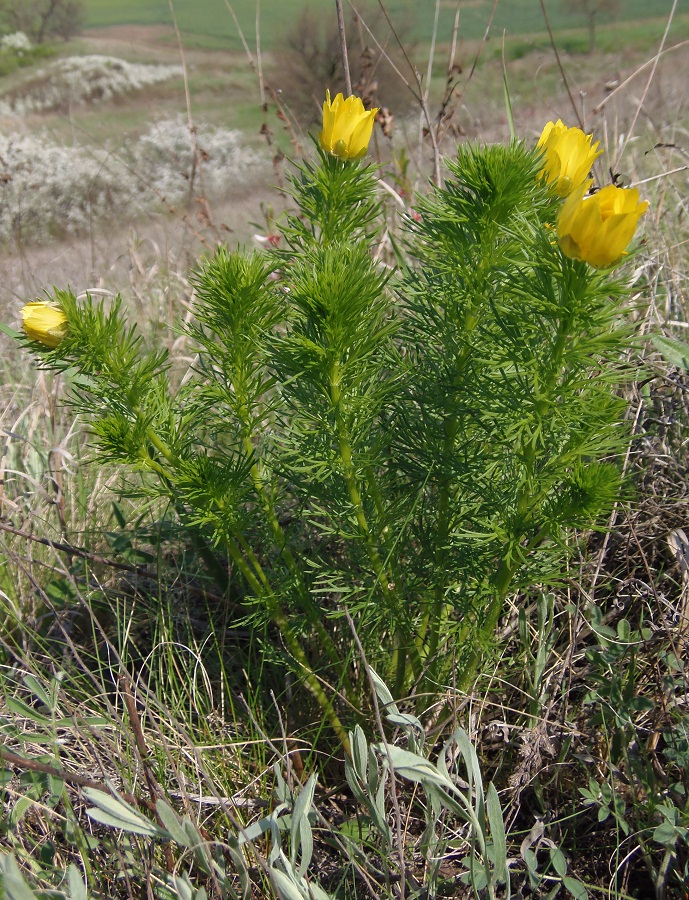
{"x": 19, "y": 708}
{"x": 172, "y": 824}
{"x": 674, "y": 351}
{"x": 475, "y": 876}
{"x": 186, "y": 890}
{"x": 456, "y": 802}
{"x": 183, "y": 887}
{"x": 306, "y": 847}
{"x": 286, "y": 888}
{"x": 36, "y": 688}
{"x": 404, "y": 720}
{"x": 143, "y": 826}
{"x": 575, "y": 888}
{"x": 22, "y": 805}
{"x": 473, "y": 768}
{"x": 300, "y": 832}
{"x": 302, "y": 804}
{"x": 318, "y": 893}
{"x": 194, "y": 839}
{"x": 240, "y": 866}
{"x": 497, "y": 831}
{"x": 116, "y": 813}
{"x": 15, "y": 887}
{"x": 77, "y": 887}
{"x": 557, "y": 858}
{"x": 275, "y": 849}
{"x": 257, "y": 829}
{"x": 374, "y": 775}
{"x": 353, "y": 782}
{"x": 413, "y": 767}
{"x": 357, "y": 740}
{"x": 531, "y": 861}
{"x": 282, "y": 792}
{"x": 383, "y": 692}
{"x": 378, "y": 817}
{"x": 379, "y": 796}
{"x": 442, "y": 764}
{"x": 666, "y": 834}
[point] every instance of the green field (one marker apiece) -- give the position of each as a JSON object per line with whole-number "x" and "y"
{"x": 210, "y": 23}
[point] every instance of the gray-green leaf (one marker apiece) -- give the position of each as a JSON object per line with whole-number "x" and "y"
{"x": 118, "y": 814}
{"x": 576, "y": 888}
{"x": 497, "y": 830}
{"x": 77, "y": 888}
{"x": 674, "y": 351}
{"x": 13, "y": 882}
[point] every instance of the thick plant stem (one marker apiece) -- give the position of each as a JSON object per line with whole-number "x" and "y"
{"x": 501, "y": 581}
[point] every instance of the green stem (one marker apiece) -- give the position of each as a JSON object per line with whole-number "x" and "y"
{"x": 528, "y": 498}
{"x": 154, "y": 439}
{"x": 160, "y": 445}
{"x": 433, "y": 617}
{"x": 387, "y": 584}
{"x": 376, "y": 495}
{"x": 281, "y": 541}
{"x": 277, "y": 614}
{"x": 259, "y": 584}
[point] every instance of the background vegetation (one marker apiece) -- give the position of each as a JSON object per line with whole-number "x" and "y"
{"x": 204, "y": 19}
{"x": 121, "y": 663}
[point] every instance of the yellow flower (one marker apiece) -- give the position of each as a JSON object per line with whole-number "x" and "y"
{"x": 347, "y": 127}
{"x": 567, "y": 155}
{"x": 45, "y": 323}
{"x": 597, "y": 229}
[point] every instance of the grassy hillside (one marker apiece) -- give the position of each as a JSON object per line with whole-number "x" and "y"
{"x": 211, "y": 23}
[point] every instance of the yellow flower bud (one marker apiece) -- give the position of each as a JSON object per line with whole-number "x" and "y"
{"x": 597, "y": 229}
{"x": 347, "y": 127}
{"x": 45, "y": 323}
{"x": 567, "y": 156}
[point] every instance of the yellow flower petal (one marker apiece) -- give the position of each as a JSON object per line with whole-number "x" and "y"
{"x": 361, "y": 135}
{"x": 328, "y": 122}
{"x": 597, "y": 229}
{"x": 568, "y": 155}
{"x": 45, "y": 323}
{"x": 347, "y": 127}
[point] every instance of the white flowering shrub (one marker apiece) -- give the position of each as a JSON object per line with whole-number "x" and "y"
{"x": 51, "y": 189}
{"x": 47, "y": 188}
{"x": 15, "y": 43}
{"x": 80, "y": 80}
{"x": 166, "y": 155}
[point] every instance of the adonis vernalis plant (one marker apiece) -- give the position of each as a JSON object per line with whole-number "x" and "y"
{"x": 406, "y": 446}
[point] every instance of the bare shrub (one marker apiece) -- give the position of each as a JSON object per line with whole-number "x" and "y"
{"x": 311, "y": 62}
{"x": 44, "y": 19}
